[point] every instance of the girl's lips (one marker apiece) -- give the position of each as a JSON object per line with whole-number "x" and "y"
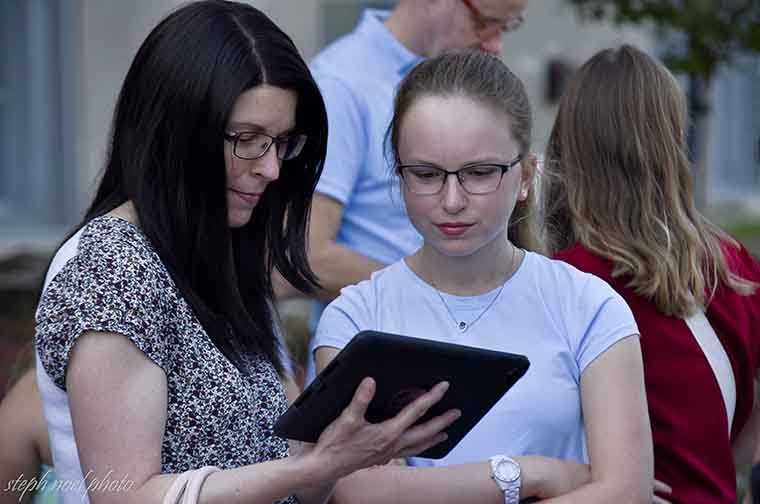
{"x": 453, "y": 229}
{"x": 245, "y": 197}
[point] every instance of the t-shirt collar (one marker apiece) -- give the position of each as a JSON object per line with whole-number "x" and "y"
{"x": 372, "y": 23}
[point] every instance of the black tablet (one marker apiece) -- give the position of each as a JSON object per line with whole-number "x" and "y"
{"x": 403, "y": 368}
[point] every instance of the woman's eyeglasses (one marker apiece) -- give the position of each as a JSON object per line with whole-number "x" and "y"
{"x": 426, "y": 180}
{"x": 253, "y": 145}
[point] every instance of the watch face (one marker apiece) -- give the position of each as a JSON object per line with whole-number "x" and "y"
{"x": 507, "y": 470}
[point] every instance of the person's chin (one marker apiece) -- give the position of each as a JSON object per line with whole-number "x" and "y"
{"x": 238, "y": 218}
{"x": 456, "y": 248}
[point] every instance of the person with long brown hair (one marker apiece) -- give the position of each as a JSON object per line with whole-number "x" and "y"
{"x": 618, "y": 203}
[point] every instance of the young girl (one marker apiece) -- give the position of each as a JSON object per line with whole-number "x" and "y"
{"x": 619, "y": 205}
{"x": 460, "y": 137}
{"x": 156, "y": 347}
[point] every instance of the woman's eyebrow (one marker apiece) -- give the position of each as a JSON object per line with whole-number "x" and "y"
{"x": 244, "y": 126}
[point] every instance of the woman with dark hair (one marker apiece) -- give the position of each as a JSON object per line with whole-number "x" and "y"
{"x": 619, "y": 205}
{"x": 156, "y": 347}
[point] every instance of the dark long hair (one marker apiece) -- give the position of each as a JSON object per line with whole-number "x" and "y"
{"x": 166, "y": 157}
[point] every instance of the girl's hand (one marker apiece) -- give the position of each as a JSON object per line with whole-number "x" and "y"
{"x": 350, "y": 442}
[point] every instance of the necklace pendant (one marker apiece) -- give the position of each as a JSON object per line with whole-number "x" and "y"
{"x": 462, "y": 326}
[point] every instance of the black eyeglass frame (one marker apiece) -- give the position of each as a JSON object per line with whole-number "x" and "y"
{"x": 457, "y": 173}
{"x": 234, "y": 138}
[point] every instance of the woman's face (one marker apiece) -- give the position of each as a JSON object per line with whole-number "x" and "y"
{"x": 263, "y": 109}
{"x": 453, "y": 133}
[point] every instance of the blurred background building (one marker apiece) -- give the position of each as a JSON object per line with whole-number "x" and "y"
{"x": 62, "y": 63}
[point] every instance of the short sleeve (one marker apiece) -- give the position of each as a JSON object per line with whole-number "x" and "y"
{"x": 603, "y": 318}
{"x": 346, "y": 143}
{"x": 347, "y": 315}
{"x": 116, "y": 287}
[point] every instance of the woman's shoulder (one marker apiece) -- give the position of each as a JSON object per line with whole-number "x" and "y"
{"x": 740, "y": 261}
{"x": 585, "y": 260}
{"x": 113, "y": 249}
{"x": 108, "y": 262}
{"x": 366, "y": 296}
{"x": 108, "y": 235}
{"x": 558, "y": 273}
{"x": 394, "y": 276}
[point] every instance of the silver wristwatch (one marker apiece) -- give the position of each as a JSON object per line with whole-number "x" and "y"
{"x": 506, "y": 473}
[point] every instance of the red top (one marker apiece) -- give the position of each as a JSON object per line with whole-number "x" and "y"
{"x": 692, "y": 450}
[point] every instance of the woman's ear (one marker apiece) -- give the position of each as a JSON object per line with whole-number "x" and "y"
{"x": 529, "y": 168}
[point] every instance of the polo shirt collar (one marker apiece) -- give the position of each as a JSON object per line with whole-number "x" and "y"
{"x": 372, "y": 25}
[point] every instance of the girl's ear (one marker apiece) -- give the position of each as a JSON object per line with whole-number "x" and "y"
{"x": 529, "y": 168}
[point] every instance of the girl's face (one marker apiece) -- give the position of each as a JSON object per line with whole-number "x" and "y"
{"x": 260, "y": 111}
{"x": 455, "y": 133}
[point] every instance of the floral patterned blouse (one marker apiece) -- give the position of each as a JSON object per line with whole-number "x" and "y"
{"x": 117, "y": 283}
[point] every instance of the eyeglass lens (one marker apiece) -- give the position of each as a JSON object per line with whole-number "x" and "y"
{"x": 255, "y": 145}
{"x": 479, "y": 179}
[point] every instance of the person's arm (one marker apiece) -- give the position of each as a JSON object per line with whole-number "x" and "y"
{"x": 746, "y": 446}
{"x": 335, "y": 265}
{"x": 541, "y": 477}
{"x": 348, "y": 145}
{"x": 22, "y": 429}
{"x": 118, "y": 403}
{"x": 617, "y": 425}
{"x": 320, "y": 493}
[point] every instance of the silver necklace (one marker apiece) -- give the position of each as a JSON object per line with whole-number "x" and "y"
{"x": 461, "y": 324}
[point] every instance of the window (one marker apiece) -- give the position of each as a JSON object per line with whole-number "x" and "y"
{"x": 734, "y": 167}
{"x": 38, "y": 177}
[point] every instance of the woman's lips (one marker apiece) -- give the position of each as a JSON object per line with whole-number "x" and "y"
{"x": 453, "y": 229}
{"x": 246, "y": 197}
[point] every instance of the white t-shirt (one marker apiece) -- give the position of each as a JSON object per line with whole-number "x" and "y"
{"x": 559, "y": 317}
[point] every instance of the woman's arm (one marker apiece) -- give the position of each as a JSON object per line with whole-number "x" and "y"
{"x": 617, "y": 428}
{"x": 118, "y": 402}
{"x": 394, "y": 484}
{"x": 746, "y": 443}
{"x": 22, "y": 430}
{"x": 320, "y": 493}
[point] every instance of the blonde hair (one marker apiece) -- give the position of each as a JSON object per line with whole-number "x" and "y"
{"x": 618, "y": 182}
{"x": 483, "y": 78}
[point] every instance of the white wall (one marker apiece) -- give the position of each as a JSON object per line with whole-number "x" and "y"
{"x": 552, "y": 30}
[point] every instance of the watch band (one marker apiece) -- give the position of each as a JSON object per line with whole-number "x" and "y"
{"x": 509, "y": 484}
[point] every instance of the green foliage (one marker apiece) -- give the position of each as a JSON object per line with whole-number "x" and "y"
{"x": 744, "y": 229}
{"x": 707, "y": 32}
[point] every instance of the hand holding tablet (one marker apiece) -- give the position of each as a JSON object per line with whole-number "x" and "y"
{"x": 404, "y": 368}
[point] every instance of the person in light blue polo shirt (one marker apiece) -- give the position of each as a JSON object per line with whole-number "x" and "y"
{"x": 358, "y": 221}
